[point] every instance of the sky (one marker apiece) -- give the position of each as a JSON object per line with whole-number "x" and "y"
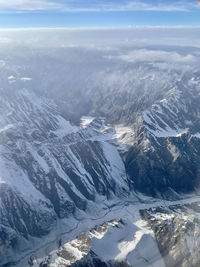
{"x": 98, "y": 13}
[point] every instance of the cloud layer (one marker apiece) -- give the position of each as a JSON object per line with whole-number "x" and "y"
{"x": 98, "y": 6}
{"x": 141, "y": 55}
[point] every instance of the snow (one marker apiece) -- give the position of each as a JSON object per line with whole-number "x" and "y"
{"x": 146, "y": 253}
{"x": 25, "y": 79}
{"x": 159, "y": 132}
{"x": 102, "y": 230}
{"x": 86, "y": 120}
{"x": 161, "y": 113}
{"x": 72, "y": 250}
{"x": 126, "y": 247}
{"x": 164, "y": 216}
{"x": 64, "y": 127}
{"x": 129, "y": 212}
{"x": 115, "y": 162}
{"x": 121, "y": 242}
{"x": 14, "y": 177}
{"x": 147, "y": 117}
{"x": 197, "y": 135}
{"x": 174, "y": 151}
{"x": 79, "y": 169}
{"x": 124, "y": 136}
{"x": 7, "y": 127}
{"x": 11, "y": 77}
{"x": 113, "y": 240}
{"x": 39, "y": 159}
{"x": 52, "y": 161}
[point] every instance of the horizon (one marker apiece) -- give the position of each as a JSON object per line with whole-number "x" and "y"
{"x": 128, "y": 27}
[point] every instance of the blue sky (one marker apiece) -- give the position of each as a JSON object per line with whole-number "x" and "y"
{"x": 97, "y": 13}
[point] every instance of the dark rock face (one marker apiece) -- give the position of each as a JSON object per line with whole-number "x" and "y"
{"x": 16, "y": 208}
{"x": 157, "y": 171}
{"x": 165, "y": 155}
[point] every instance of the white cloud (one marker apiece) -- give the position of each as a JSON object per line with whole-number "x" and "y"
{"x": 29, "y": 5}
{"x": 161, "y": 59}
{"x": 141, "y": 55}
{"x": 139, "y": 5}
{"x": 89, "y": 5}
{"x": 5, "y": 40}
{"x": 163, "y": 47}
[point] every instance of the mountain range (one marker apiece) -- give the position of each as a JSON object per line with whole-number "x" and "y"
{"x": 99, "y": 152}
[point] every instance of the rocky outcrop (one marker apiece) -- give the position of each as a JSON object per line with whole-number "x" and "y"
{"x": 177, "y": 233}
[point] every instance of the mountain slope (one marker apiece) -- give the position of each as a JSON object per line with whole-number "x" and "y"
{"x": 50, "y": 169}
{"x": 166, "y": 152}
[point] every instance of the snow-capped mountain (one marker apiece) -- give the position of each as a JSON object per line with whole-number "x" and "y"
{"x": 167, "y": 153}
{"x": 50, "y": 169}
{"x": 99, "y": 154}
{"x": 54, "y": 171}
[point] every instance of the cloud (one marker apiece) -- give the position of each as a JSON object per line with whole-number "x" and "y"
{"x": 162, "y": 47}
{"x": 156, "y": 56}
{"x": 5, "y": 40}
{"x": 94, "y": 5}
{"x": 145, "y": 6}
{"x": 161, "y": 59}
{"x": 29, "y": 5}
